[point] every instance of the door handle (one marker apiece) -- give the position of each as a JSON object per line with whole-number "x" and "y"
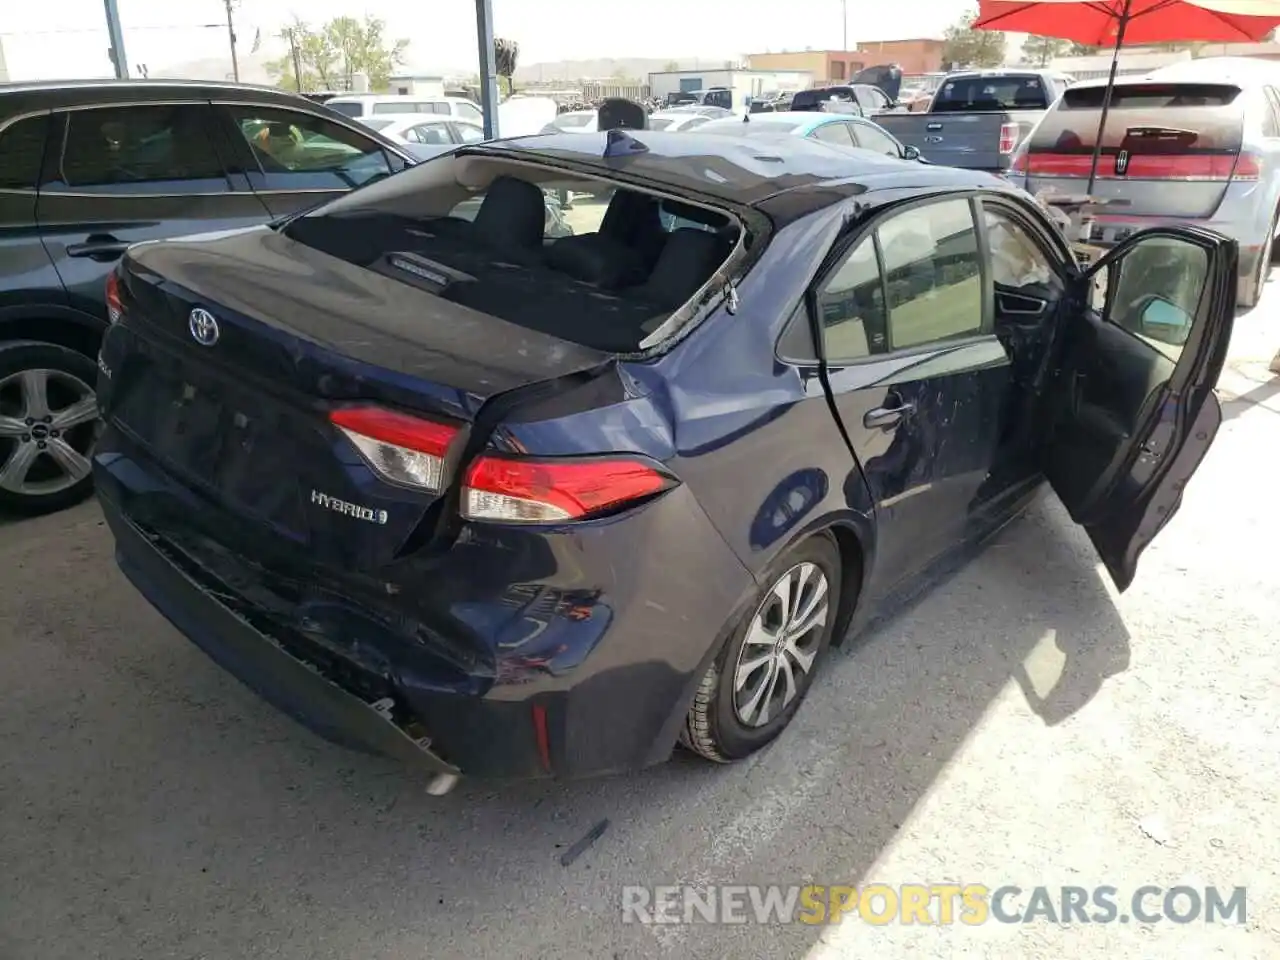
{"x": 883, "y": 418}
{"x": 98, "y": 246}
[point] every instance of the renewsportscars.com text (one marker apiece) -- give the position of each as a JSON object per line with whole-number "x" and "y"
{"x": 934, "y": 904}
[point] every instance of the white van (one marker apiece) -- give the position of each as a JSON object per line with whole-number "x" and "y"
{"x": 357, "y": 105}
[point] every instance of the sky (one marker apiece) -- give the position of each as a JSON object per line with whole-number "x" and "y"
{"x": 63, "y": 39}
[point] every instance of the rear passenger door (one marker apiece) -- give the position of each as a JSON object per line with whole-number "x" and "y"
{"x": 917, "y": 376}
{"x": 27, "y": 277}
{"x": 296, "y": 160}
{"x": 116, "y": 175}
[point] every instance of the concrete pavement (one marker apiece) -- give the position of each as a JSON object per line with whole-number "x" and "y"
{"x": 1021, "y": 724}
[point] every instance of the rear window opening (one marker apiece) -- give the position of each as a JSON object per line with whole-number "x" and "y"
{"x": 977, "y": 94}
{"x": 495, "y": 236}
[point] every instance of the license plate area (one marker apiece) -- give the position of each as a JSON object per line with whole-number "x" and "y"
{"x": 238, "y": 446}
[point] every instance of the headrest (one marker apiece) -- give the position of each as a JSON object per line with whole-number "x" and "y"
{"x": 688, "y": 260}
{"x": 513, "y": 213}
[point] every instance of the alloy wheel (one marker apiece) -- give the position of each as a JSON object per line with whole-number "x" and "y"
{"x": 781, "y": 644}
{"x": 48, "y": 422}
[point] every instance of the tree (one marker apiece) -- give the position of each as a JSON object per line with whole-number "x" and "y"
{"x": 968, "y": 47}
{"x": 671, "y": 66}
{"x": 1040, "y": 50}
{"x": 506, "y": 54}
{"x": 331, "y": 56}
{"x": 1082, "y": 50}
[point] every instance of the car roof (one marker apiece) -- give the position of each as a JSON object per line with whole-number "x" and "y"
{"x": 746, "y": 171}
{"x": 393, "y": 97}
{"x": 412, "y": 118}
{"x": 804, "y": 120}
{"x": 47, "y": 94}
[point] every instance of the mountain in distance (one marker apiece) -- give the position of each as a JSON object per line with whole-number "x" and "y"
{"x": 631, "y": 68}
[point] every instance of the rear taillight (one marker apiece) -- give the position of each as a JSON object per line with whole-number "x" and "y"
{"x": 400, "y": 448}
{"x": 1248, "y": 167}
{"x": 509, "y": 490}
{"x": 115, "y": 305}
{"x": 1008, "y": 137}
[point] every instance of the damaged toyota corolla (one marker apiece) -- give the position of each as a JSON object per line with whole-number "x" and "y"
{"x": 501, "y": 504}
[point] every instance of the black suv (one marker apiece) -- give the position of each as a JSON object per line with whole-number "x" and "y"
{"x": 88, "y": 168}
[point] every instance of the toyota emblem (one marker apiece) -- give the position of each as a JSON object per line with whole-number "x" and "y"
{"x": 203, "y": 327}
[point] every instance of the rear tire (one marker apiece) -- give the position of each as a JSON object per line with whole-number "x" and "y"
{"x": 48, "y": 424}
{"x": 759, "y": 679}
{"x": 1263, "y": 269}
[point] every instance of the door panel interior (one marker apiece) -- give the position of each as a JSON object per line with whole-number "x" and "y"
{"x": 1098, "y": 408}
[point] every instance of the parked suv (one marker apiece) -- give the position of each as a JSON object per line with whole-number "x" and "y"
{"x": 86, "y": 169}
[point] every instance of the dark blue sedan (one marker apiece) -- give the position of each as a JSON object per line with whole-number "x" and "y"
{"x": 501, "y": 504}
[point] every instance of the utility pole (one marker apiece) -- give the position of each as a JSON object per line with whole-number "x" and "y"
{"x": 231, "y": 33}
{"x": 844, "y": 26}
{"x": 116, "y": 37}
{"x": 488, "y": 68}
{"x": 297, "y": 62}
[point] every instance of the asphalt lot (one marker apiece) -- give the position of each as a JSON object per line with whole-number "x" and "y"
{"x": 1019, "y": 724}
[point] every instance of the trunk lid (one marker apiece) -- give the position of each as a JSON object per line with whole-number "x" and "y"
{"x": 973, "y": 141}
{"x": 1170, "y": 149}
{"x": 243, "y": 415}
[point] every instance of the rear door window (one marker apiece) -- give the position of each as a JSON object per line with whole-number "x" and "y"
{"x": 873, "y": 138}
{"x": 161, "y": 148}
{"x": 835, "y": 133}
{"x": 21, "y": 153}
{"x": 467, "y": 111}
{"x": 301, "y": 151}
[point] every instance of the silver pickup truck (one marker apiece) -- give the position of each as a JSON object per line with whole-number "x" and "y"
{"x": 978, "y": 117}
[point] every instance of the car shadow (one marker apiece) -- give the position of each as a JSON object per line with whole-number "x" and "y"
{"x": 142, "y": 783}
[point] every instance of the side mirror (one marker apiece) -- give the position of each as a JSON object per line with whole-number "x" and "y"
{"x": 1165, "y": 321}
{"x": 910, "y": 152}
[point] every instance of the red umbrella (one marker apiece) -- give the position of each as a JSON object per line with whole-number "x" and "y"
{"x": 1113, "y": 23}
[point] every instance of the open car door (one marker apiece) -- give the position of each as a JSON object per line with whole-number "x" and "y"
{"x": 1131, "y": 411}
{"x": 886, "y": 76}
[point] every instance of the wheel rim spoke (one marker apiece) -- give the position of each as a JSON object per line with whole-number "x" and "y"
{"x": 74, "y": 464}
{"x": 784, "y": 668}
{"x": 35, "y": 393}
{"x": 13, "y": 472}
{"x": 748, "y": 710}
{"x": 803, "y": 658}
{"x": 812, "y": 610}
{"x": 82, "y": 411}
{"x": 770, "y": 689}
{"x": 746, "y": 669}
{"x": 12, "y": 427}
{"x": 760, "y": 634}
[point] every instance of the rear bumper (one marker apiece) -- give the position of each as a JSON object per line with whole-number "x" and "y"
{"x": 261, "y": 662}
{"x": 591, "y": 641}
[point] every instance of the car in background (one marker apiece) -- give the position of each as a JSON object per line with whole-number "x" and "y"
{"x": 685, "y": 118}
{"x": 840, "y": 129}
{"x": 977, "y": 118}
{"x": 1191, "y": 143}
{"x": 503, "y": 505}
{"x": 88, "y": 168}
{"x": 574, "y": 121}
{"x": 422, "y": 129}
{"x": 357, "y": 105}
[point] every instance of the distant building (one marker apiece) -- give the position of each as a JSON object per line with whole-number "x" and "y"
{"x": 4, "y": 70}
{"x": 742, "y": 83}
{"x": 417, "y": 84}
{"x": 837, "y": 66}
{"x": 1132, "y": 63}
